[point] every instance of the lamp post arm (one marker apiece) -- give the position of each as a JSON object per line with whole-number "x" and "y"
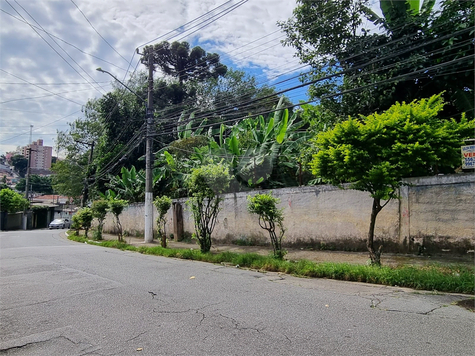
{"x": 113, "y": 76}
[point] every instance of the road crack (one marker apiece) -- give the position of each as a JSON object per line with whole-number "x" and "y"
{"x": 135, "y": 337}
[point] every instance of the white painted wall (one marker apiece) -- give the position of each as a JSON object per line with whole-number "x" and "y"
{"x": 437, "y": 210}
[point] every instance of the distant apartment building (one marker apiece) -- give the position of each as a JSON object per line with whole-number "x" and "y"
{"x": 40, "y": 155}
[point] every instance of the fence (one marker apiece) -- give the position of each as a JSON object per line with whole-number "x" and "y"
{"x": 433, "y": 213}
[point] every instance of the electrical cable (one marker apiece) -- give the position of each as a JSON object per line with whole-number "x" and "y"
{"x": 49, "y": 91}
{"x": 64, "y": 59}
{"x": 64, "y": 41}
{"x": 89, "y": 22}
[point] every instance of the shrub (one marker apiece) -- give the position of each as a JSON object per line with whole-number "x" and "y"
{"x": 206, "y": 184}
{"x": 265, "y": 205}
{"x": 162, "y": 204}
{"x": 116, "y": 207}
{"x": 83, "y": 219}
{"x": 99, "y": 211}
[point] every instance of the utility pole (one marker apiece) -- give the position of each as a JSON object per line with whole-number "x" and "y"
{"x": 27, "y": 186}
{"x": 28, "y": 173}
{"x": 85, "y": 191}
{"x": 148, "y": 234}
{"x": 31, "y": 133}
{"x": 148, "y": 229}
{"x": 28, "y": 165}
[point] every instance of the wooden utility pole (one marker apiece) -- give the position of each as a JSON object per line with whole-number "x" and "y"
{"x": 85, "y": 191}
{"x": 28, "y": 173}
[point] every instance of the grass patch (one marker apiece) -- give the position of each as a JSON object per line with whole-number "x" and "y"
{"x": 468, "y": 304}
{"x": 434, "y": 277}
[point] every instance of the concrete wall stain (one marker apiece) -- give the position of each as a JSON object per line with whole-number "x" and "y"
{"x": 434, "y": 214}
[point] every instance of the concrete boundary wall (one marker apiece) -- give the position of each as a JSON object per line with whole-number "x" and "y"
{"x": 434, "y": 213}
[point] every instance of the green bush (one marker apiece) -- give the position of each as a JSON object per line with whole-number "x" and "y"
{"x": 162, "y": 204}
{"x": 205, "y": 185}
{"x": 12, "y": 202}
{"x": 83, "y": 220}
{"x": 99, "y": 211}
{"x": 265, "y": 206}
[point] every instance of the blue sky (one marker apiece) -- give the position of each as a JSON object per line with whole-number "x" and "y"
{"x": 35, "y": 64}
{"x": 52, "y": 47}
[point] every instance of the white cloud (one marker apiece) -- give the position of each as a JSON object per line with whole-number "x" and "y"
{"x": 125, "y": 25}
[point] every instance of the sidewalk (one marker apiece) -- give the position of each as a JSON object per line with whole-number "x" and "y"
{"x": 312, "y": 255}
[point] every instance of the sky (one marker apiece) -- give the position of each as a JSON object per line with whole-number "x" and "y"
{"x": 50, "y": 49}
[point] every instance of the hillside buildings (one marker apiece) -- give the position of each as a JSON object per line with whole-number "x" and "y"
{"x": 40, "y": 155}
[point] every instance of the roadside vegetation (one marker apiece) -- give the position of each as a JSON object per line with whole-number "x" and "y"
{"x": 447, "y": 278}
{"x": 394, "y": 101}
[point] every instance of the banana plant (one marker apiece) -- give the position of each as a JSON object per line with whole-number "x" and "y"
{"x": 254, "y": 159}
{"x": 254, "y": 149}
{"x": 397, "y": 12}
{"x": 129, "y": 185}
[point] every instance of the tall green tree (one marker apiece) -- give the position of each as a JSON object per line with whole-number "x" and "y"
{"x": 20, "y": 164}
{"x": 376, "y": 152}
{"x": 38, "y": 184}
{"x": 68, "y": 178}
{"x": 76, "y": 144}
{"x": 416, "y": 53}
{"x": 179, "y": 61}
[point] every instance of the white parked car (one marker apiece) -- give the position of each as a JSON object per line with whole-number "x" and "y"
{"x": 59, "y": 224}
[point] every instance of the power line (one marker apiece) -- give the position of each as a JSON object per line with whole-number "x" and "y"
{"x": 42, "y": 96}
{"x": 64, "y": 41}
{"x": 206, "y": 24}
{"x": 393, "y": 79}
{"x": 64, "y": 117}
{"x": 189, "y": 23}
{"x": 375, "y": 60}
{"x": 64, "y": 59}
{"x": 44, "y": 83}
{"x": 82, "y": 13}
{"x": 49, "y": 91}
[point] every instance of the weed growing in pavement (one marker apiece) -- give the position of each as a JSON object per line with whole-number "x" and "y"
{"x": 434, "y": 277}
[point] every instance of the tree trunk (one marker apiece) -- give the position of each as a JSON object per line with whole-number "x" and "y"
{"x": 205, "y": 244}
{"x": 374, "y": 254}
{"x": 163, "y": 240}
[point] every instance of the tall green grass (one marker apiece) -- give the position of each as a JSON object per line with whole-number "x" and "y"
{"x": 451, "y": 278}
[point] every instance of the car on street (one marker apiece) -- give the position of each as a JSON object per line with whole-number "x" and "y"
{"x": 59, "y": 224}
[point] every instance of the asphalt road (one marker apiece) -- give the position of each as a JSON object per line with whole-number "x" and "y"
{"x": 64, "y": 298}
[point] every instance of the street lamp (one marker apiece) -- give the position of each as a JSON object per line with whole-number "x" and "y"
{"x": 148, "y": 233}
{"x": 113, "y": 76}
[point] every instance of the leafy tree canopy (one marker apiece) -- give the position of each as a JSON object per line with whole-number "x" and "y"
{"x": 20, "y": 163}
{"x": 415, "y": 53}
{"x": 178, "y": 60}
{"x": 38, "y": 184}
{"x": 11, "y": 201}
{"x": 68, "y": 179}
{"x": 376, "y": 152}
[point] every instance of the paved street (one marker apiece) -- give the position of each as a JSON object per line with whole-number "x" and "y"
{"x": 64, "y": 298}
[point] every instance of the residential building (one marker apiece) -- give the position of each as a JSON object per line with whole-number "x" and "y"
{"x": 40, "y": 155}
